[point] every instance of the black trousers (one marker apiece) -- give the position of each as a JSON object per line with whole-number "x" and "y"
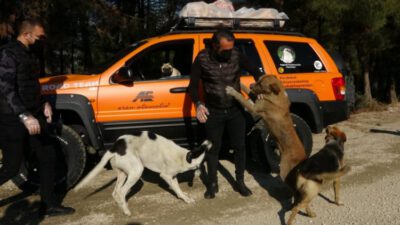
{"x": 15, "y": 141}
{"x": 233, "y": 121}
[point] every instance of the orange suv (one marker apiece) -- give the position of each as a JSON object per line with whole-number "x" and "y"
{"x": 132, "y": 92}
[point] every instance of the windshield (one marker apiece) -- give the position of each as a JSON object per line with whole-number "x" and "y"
{"x": 105, "y": 64}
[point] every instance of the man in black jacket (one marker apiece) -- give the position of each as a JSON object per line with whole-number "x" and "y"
{"x": 218, "y": 67}
{"x": 24, "y": 116}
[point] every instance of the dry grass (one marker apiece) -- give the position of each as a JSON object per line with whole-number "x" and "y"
{"x": 364, "y": 105}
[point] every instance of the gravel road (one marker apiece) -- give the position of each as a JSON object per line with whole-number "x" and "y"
{"x": 370, "y": 192}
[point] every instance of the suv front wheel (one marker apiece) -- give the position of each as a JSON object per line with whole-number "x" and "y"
{"x": 265, "y": 150}
{"x": 70, "y": 162}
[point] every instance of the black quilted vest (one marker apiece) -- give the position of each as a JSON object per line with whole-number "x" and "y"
{"x": 27, "y": 78}
{"x": 216, "y": 76}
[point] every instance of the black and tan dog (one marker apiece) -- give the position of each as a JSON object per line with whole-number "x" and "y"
{"x": 324, "y": 166}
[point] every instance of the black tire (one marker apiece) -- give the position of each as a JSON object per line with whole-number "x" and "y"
{"x": 304, "y": 133}
{"x": 81, "y": 132}
{"x": 265, "y": 150}
{"x": 70, "y": 164}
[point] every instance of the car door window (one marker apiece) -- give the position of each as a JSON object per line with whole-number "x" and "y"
{"x": 247, "y": 47}
{"x": 167, "y": 60}
{"x": 294, "y": 57}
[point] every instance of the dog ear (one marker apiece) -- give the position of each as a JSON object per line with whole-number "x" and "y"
{"x": 198, "y": 151}
{"x": 260, "y": 79}
{"x": 327, "y": 129}
{"x": 337, "y": 133}
{"x": 275, "y": 88}
{"x": 189, "y": 157}
{"x": 343, "y": 136}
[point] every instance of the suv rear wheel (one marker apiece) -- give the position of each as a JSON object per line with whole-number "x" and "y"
{"x": 70, "y": 164}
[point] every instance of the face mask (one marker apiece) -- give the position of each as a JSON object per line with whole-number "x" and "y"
{"x": 38, "y": 46}
{"x": 225, "y": 55}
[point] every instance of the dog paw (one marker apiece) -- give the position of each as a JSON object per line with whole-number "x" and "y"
{"x": 127, "y": 212}
{"x": 311, "y": 214}
{"x": 230, "y": 90}
{"x": 339, "y": 203}
{"x": 188, "y": 200}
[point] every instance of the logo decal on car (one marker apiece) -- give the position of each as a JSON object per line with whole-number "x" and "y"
{"x": 286, "y": 54}
{"x": 144, "y": 96}
{"x": 56, "y": 86}
{"x": 318, "y": 65}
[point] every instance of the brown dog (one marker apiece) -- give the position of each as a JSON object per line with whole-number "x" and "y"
{"x": 324, "y": 166}
{"x": 272, "y": 105}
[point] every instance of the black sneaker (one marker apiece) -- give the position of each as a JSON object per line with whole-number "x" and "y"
{"x": 55, "y": 211}
{"x": 212, "y": 189}
{"x": 243, "y": 189}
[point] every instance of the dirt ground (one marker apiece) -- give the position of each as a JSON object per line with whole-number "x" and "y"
{"x": 370, "y": 192}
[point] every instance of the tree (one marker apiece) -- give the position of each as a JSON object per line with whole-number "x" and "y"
{"x": 83, "y": 33}
{"x": 393, "y": 35}
{"x": 8, "y": 15}
{"x": 363, "y": 23}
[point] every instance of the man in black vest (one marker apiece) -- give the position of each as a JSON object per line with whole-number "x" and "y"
{"x": 24, "y": 115}
{"x": 218, "y": 67}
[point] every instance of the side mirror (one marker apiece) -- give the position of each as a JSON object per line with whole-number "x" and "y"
{"x": 124, "y": 75}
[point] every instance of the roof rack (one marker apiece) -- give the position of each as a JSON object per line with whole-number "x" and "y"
{"x": 200, "y": 23}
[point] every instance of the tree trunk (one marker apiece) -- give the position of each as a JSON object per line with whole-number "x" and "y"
{"x": 320, "y": 22}
{"x": 61, "y": 61}
{"x": 148, "y": 16}
{"x": 392, "y": 92}
{"x": 72, "y": 59}
{"x": 141, "y": 9}
{"x": 86, "y": 45}
{"x": 364, "y": 58}
{"x": 133, "y": 8}
{"x": 141, "y": 14}
{"x": 367, "y": 85}
{"x": 280, "y": 4}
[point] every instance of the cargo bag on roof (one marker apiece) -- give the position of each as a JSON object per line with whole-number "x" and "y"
{"x": 224, "y": 9}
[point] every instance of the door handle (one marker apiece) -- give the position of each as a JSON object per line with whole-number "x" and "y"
{"x": 178, "y": 90}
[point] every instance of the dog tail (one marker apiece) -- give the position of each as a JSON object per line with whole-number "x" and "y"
{"x": 95, "y": 171}
{"x": 332, "y": 175}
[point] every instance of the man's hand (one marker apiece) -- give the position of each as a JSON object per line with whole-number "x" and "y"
{"x": 202, "y": 113}
{"x": 48, "y": 112}
{"x": 32, "y": 125}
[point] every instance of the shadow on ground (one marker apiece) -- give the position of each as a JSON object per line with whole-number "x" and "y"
{"x": 21, "y": 212}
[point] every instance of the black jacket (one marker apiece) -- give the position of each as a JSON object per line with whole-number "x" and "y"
{"x": 215, "y": 76}
{"x": 19, "y": 80}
